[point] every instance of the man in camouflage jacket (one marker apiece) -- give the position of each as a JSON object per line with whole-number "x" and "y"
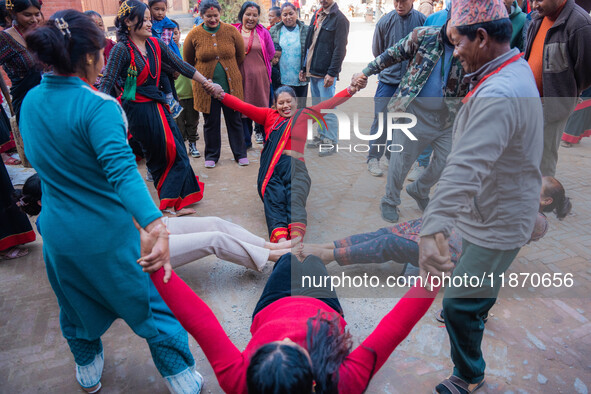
{"x": 430, "y": 89}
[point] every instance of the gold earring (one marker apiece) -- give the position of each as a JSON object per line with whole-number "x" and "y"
{"x": 90, "y": 62}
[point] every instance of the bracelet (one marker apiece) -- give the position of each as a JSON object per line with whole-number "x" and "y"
{"x": 350, "y": 91}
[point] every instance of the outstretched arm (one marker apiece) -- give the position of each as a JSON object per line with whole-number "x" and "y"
{"x": 401, "y": 51}
{"x": 198, "y": 319}
{"x": 360, "y": 366}
{"x": 259, "y": 115}
{"x": 342, "y": 96}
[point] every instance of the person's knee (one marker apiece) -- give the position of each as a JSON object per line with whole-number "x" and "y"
{"x": 216, "y": 224}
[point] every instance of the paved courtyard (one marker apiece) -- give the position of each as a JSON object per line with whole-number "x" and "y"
{"x": 536, "y": 340}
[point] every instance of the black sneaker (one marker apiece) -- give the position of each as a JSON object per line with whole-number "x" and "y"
{"x": 390, "y": 213}
{"x": 193, "y": 150}
{"x": 314, "y": 143}
{"x": 259, "y": 138}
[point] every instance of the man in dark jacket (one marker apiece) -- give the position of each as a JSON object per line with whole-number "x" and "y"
{"x": 326, "y": 46}
{"x": 390, "y": 29}
{"x": 559, "y": 53}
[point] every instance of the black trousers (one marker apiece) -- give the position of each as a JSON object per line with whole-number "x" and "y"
{"x": 247, "y": 130}
{"x": 212, "y": 132}
{"x": 286, "y": 281}
{"x": 301, "y": 94}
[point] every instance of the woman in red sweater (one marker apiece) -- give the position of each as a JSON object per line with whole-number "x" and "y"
{"x": 299, "y": 343}
{"x": 283, "y": 182}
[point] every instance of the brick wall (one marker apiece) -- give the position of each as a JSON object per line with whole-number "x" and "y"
{"x": 50, "y": 7}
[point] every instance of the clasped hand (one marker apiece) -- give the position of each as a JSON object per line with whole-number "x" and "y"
{"x": 434, "y": 257}
{"x": 155, "y": 250}
{"x": 213, "y": 89}
{"x": 359, "y": 80}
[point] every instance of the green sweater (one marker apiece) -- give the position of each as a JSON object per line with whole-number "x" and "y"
{"x": 219, "y": 75}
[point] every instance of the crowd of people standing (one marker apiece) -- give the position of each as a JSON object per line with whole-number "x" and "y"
{"x": 459, "y": 71}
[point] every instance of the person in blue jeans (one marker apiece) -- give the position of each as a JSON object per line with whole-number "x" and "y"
{"x": 390, "y": 29}
{"x": 325, "y": 47}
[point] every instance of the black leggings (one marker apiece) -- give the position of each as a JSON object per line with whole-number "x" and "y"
{"x": 286, "y": 281}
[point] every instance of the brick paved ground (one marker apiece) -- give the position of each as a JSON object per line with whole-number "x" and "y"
{"x": 535, "y": 341}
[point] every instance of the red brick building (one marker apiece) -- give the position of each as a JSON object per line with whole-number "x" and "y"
{"x": 107, "y": 8}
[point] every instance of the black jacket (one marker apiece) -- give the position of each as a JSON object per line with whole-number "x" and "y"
{"x": 567, "y": 59}
{"x": 331, "y": 45}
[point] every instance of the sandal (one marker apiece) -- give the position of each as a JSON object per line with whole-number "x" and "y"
{"x": 13, "y": 253}
{"x": 455, "y": 385}
{"x": 11, "y": 161}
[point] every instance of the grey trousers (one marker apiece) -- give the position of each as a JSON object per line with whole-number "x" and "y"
{"x": 427, "y": 133}
{"x": 552, "y": 136}
{"x": 192, "y": 238}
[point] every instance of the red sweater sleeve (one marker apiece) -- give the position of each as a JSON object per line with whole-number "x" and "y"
{"x": 259, "y": 115}
{"x": 359, "y": 366}
{"x": 338, "y": 98}
{"x": 198, "y": 319}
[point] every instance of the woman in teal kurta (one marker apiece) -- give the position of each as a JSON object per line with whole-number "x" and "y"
{"x": 75, "y": 137}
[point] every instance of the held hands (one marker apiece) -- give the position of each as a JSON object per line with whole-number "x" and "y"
{"x": 434, "y": 257}
{"x": 154, "y": 250}
{"x": 213, "y": 89}
{"x": 358, "y": 82}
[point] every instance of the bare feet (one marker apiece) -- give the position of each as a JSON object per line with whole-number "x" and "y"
{"x": 274, "y": 255}
{"x": 283, "y": 244}
{"x": 326, "y": 255}
{"x": 185, "y": 211}
{"x": 181, "y": 212}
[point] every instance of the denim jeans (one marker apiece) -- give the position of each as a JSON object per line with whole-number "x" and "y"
{"x": 319, "y": 94}
{"x": 381, "y": 99}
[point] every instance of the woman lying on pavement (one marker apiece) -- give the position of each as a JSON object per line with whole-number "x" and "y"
{"x": 191, "y": 238}
{"x": 299, "y": 343}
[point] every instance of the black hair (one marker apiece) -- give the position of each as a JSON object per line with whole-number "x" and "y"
{"x": 21, "y": 5}
{"x": 267, "y": 371}
{"x": 561, "y": 205}
{"x": 65, "y": 49}
{"x": 152, "y": 2}
{"x": 281, "y": 368}
{"x": 176, "y": 23}
{"x": 328, "y": 348}
{"x": 207, "y": 4}
{"x": 284, "y": 89}
{"x": 247, "y": 4}
{"x": 4, "y": 16}
{"x": 137, "y": 12}
{"x": 92, "y": 13}
{"x": 28, "y": 198}
{"x": 287, "y": 4}
{"x": 499, "y": 30}
{"x": 276, "y": 10}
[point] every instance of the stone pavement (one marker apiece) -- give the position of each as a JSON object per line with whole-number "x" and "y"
{"x": 536, "y": 340}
